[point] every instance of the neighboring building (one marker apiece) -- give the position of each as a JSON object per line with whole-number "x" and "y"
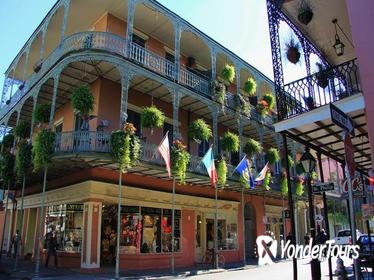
{"x": 133, "y": 54}
{"x": 343, "y": 78}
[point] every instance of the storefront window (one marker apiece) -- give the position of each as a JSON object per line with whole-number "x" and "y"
{"x": 227, "y": 235}
{"x": 131, "y": 228}
{"x": 151, "y": 231}
{"x": 67, "y": 221}
{"x": 166, "y": 230}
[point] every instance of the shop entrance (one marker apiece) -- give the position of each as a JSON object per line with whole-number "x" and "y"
{"x": 249, "y": 223}
{"x": 108, "y": 235}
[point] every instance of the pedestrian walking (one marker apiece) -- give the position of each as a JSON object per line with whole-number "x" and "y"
{"x": 16, "y": 240}
{"x": 51, "y": 242}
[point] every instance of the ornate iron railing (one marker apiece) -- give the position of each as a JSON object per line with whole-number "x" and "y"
{"x": 321, "y": 88}
{"x": 194, "y": 81}
{"x": 82, "y": 141}
{"x": 152, "y": 61}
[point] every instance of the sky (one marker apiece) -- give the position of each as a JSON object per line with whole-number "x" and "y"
{"x": 239, "y": 25}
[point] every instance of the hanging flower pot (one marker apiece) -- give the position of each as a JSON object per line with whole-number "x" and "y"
{"x": 82, "y": 101}
{"x": 293, "y": 49}
{"x": 284, "y": 185}
{"x": 266, "y": 182}
{"x": 305, "y": 12}
{"x": 250, "y": 86}
{"x": 221, "y": 171}
{"x": 323, "y": 75}
{"x": 43, "y": 148}
{"x": 180, "y": 159}
{"x": 299, "y": 186}
{"x": 252, "y": 148}
{"x": 228, "y": 73}
{"x": 38, "y": 66}
{"x": 41, "y": 114}
{"x": 199, "y": 131}
{"x": 230, "y": 142}
{"x": 152, "y": 117}
{"x": 219, "y": 93}
{"x": 272, "y": 155}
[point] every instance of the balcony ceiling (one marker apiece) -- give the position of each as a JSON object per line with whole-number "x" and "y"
{"x": 321, "y": 29}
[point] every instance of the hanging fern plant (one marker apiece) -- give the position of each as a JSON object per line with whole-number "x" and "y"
{"x": 125, "y": 147}
{"x": 7, "y": 142}
{"x": 41, "y": 113}
{"x": 266, "y": 182}
{"x": 291, "y": 163}
{"x": 283, "y": 185}
{"x": 43, "y": 148}
{"x": 22, "y": 130}
{"x": 219, "y": 93}
{"x": 252, "y": 148}
{"x": 7, "y": 166}
{"x": 272, "y": 155}
{"x": 228, "y": 73}
{"x": 179, "y": 160}
{"x": 199, "y": 130}
{"x": 270, "y": 100}
{"x": 250, "y": 86}
{"x": 230, "y": 142}
{"x": 299, "y": 186}
{"x": 221, "y": 171}
{"x": 23, "y": 159}
{"x": 262, "y": 108}
{"x": 152, "y": 117}
{"x": 83, "y": 100}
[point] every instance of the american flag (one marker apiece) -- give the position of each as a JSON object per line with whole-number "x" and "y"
{"x": 164, "y": 150}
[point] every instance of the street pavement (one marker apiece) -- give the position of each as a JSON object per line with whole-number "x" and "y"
{"x": 282, "y": 270}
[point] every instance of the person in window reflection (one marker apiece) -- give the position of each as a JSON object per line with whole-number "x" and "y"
{"x": 51, "y": 241}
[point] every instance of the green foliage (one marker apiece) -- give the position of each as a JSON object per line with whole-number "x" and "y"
{"x": 272, "y": 155}
{"x": 262, "y": 109}
{"x": 219, "y": 92}
{"x": 125, "y": 147}
{"x": 199, "y": 130}
{"x": 228, "y": 73}
{"x": 230, "y": 142}
{"x": 23, "y": 159}
{"x": 7, "y": 142}
{"x": 250, "y": 86}
{"x": 290, "y": 162}
{"x": 299, "y": 187}
{"x": 222, "y": 172}
{"x": 179, "y": 160}
{"x": 82, "y": 100}
{"x": 241, "y": 105}
{"x": 252, "y": 148}
{"x": 270, "y": 100}
{"x": 152, "y": 117}
{"x": 7, "y": 166}
{"x": 43, "y": 148}
{"x": 314, "y": 175}
{"x": 22, "y": 130}
{"x": 266, "y": 182}
{"x": 284, "y": 185}
{"x": 42, "y": 113}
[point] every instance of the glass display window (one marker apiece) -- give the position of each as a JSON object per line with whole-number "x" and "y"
{"x": 167, "y": 230}
{"x": 151, "y": 230}
{"x": 131, "y": 227}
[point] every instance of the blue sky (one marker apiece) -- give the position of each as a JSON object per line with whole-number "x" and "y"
{"x": 239, "y": 25}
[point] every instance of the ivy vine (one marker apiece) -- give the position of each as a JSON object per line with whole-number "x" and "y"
{"x": 179, "y": 160}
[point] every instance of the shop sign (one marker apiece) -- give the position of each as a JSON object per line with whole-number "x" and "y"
{"x": 367, "y": 211}
{"x": 357, "y": 185}
{"x": 318, "y": 188}
{"x": 74, "y": 207}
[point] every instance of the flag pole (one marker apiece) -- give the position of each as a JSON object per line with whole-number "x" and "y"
{"x": 216, "y": 226}
{"x": 172, "y": 226}
{"x": 243, "y": 229}
{"x": 118, "y": 224}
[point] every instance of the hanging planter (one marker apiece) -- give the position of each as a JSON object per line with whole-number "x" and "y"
{"x": 199, "y": 131}
{"x": 305, "y": 12}
{"x": 22, "y": 130}
{"x": 241, "y": 106}
{"x": 299, "y": 186}
{"x": 230, "y": 142}
{"x": 7, "y": 142}
{"x": 38, "y": 66}
{"x": 290, "y": 162}
{"x": 152, "y": 117}
{"x": 293, "y": 49}
{"x": 219, "y": 93}
{"x": 125, "y": 147}
{"x": 262, "y": 108}
{"x": 43, "y": 148}
{"x": 283, "y": 185}
{"x": 323, "y": 75}
{"x": 228, "y": 73}
{"x": 250, "y": 87}
{"x": 179, "y": 160}
{"x": 266, "y": 182}
{"x": 252, "y": 148}
{"x": 272, "y": 155}
{"x": 41, "y": 114}
{"x": 23, "y": 159}
{"x": 6, "y": 166}
{"x": 82, "y": 101}
{"x": 221, "y": 171}
{"x": 270, "y": 101}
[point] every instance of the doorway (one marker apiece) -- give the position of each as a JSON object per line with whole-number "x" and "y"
{"x": 108, "y": 235}
{"x": 249, "y": 222}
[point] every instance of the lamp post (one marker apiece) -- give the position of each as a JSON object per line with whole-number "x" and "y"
{"x": 309, "y": 164}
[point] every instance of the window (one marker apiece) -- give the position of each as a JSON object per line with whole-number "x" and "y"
{"x": 134, "y": 118}
{"x": 169, "y": 66}
{"x": 131, "y": 227}
{"x": 80, "y": 124}
{"x": 58, "y": 128}
{"x": 227, "y": 234}
{"x": 169, "y": 57}
{"x": 138, "y": 40}
{"x": 203, "y": 148}
{"x": 67, "y": 221}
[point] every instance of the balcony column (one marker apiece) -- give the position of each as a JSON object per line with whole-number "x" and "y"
{"x": 177, "y": 96}
{"x": 26, "y": 66}
{"x": 44, "y": 33}
{"x": 237, "y": 77}
{"x": 278, "y": 140}
{"x": 56, "y": 79}
{"x": 177, "y": 46}
{"x": 130, "y": 25}
{"x": 125, "y": 84}
{"x": 214, "y": 62}
{"x": 66, "y": 5}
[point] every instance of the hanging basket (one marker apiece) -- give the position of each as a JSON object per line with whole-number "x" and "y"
{"x": 293, "y": 55}
{"x": 305, "y": 17}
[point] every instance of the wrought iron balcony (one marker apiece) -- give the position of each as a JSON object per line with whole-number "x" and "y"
{"x": 324, "y": 87}
{"x": 196, "y": 82}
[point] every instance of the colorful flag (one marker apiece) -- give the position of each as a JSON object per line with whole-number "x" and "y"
{"x": 164, "y": 149}
{"x": 245, "y": 172}
{"x": 208, "y": 161}
{"x": 261, "y": 175}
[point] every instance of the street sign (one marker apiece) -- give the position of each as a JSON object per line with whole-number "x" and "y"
{"x": 341, "y": 119}
{"x": 318, "y": 188}
{"x": 349, "y": 154}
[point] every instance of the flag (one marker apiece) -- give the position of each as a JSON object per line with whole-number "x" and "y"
{"x": 164, "y": 149}
{"x": 261, "y": 175}
{"x": 245, "y": 172}
{"x": 208, "y": 161}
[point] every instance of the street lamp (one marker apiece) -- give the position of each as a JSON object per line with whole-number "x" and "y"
{"x": 338, "y": 46}
{"x": 309, "y": 164}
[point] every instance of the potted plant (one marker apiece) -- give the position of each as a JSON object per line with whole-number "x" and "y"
{"x": 266, "y": 182}
{"x": 152, "y": 117}
{"x": 42, "y": 149}
{"x": 323, "y": 75}
{"x": 272, "y": 155}
{"x": 230, "y": 142}
{"x": 241, "y": 105}
{"x": 309, "y": 102}
{"x": 270, "y": 100}
{"x": 22, "y": 130}
{"x": 8, "y": 101}
{"x": 305, "y": 12}
{"x": 41, "y": 114}
{"x": 228, "y": 73}
{"x": 199, "y": 131}
{"x": 299, "y": 186}
{"x": 266, "y": 104}
{"x": 221, "y": 171}
{"x": 219, "y": 90}
{"x": 179, "y": 160}
{"x": 284, "y": 185}
{"x": 290, "y": 162}
{"x": 293, "y": 49}
{"x": 252, "y": 148}
{"x": 250, "y": 87}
